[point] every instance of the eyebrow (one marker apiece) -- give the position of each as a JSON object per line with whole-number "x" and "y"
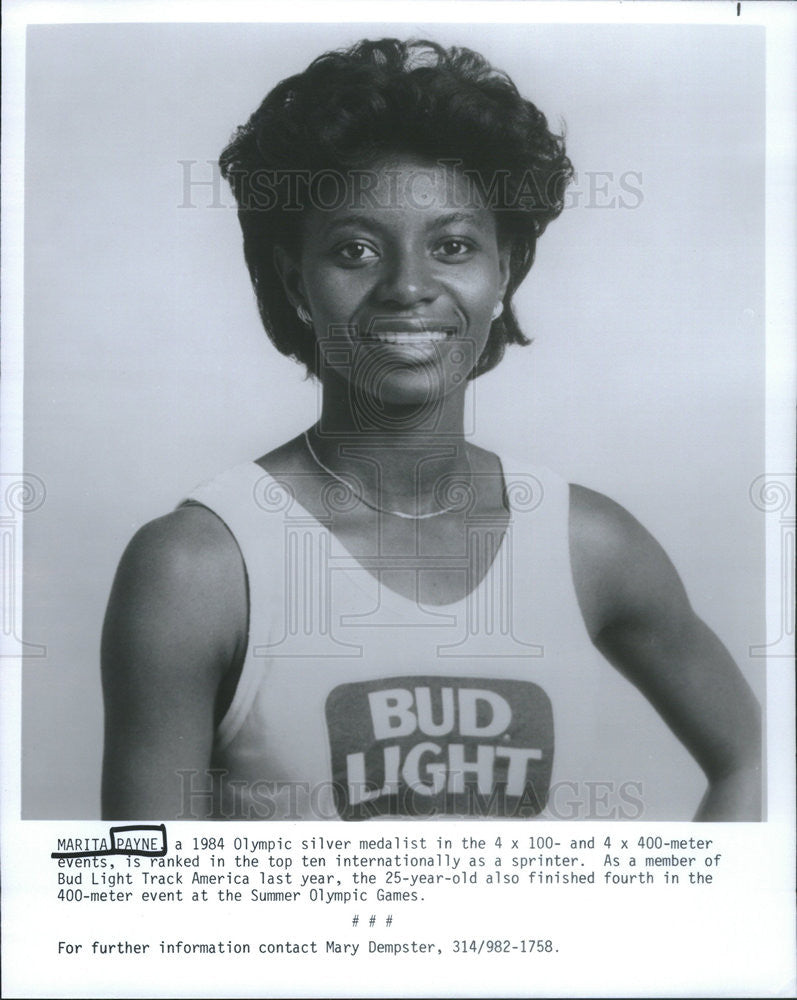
{"x": 453, "y": 218}
{"x": 365, "y": 219}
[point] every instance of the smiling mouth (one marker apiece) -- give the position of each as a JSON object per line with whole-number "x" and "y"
{"x": 402, "y": 337}
{"x": 408, "y": 333}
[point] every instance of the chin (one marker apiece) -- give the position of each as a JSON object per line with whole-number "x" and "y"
{"x": 418, "y": 390}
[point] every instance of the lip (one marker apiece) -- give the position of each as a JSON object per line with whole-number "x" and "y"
{"x": 402, "y": 331}
{"x": 404, "y": 337}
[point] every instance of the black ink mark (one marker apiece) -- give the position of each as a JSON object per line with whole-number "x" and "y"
{"x": 738, "y": 9}
{"x": 116, "y": 850}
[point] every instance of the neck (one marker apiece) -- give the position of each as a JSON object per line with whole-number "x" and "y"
{"x": 404, "y": 458}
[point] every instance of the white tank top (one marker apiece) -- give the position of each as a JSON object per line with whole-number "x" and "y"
{"x": 357, "y": 703}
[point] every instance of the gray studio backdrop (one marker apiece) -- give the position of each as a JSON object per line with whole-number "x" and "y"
{"x": 146, "y": 369}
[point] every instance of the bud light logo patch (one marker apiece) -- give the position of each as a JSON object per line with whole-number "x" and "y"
{"x": 425, "y": 746}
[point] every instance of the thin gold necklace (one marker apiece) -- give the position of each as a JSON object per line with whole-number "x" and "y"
{"x": 367, "y": 503}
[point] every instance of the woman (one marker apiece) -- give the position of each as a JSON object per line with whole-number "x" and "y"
{"x": 380, "y": 618}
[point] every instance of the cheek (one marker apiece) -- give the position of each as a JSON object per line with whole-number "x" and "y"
{"x": 335, "y": 292}
{"x": 481, "y": 290}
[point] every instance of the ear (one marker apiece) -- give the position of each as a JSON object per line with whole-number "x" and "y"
{"x": 291, "y": 277}
{"x": 504, "y": 258}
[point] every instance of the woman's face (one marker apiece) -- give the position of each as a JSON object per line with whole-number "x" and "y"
{"x": 401, "y": 279}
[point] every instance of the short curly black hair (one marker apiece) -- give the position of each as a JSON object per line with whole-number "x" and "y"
{"x": 353, "y": 107}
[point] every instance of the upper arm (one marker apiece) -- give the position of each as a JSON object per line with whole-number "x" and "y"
{"x": 175, "y": 623}
{"x": 638, "y": 614}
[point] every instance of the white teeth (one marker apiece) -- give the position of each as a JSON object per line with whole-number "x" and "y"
{"x": 404, "y": 337}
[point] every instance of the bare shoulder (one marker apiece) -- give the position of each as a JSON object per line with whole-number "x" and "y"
{"x": 174, "y": 629}
{"x": 181, "y": 576}
{"x": 190, "y": 547}
{"x": 599, "y": 527}
{"x": 619, "y": 568}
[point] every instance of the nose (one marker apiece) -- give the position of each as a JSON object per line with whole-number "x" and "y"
{"x": 408, "y": 279}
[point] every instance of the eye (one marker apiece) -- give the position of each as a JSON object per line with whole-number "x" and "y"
{"x": 454, "y": 246}
{"x": 354, "y": 251}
